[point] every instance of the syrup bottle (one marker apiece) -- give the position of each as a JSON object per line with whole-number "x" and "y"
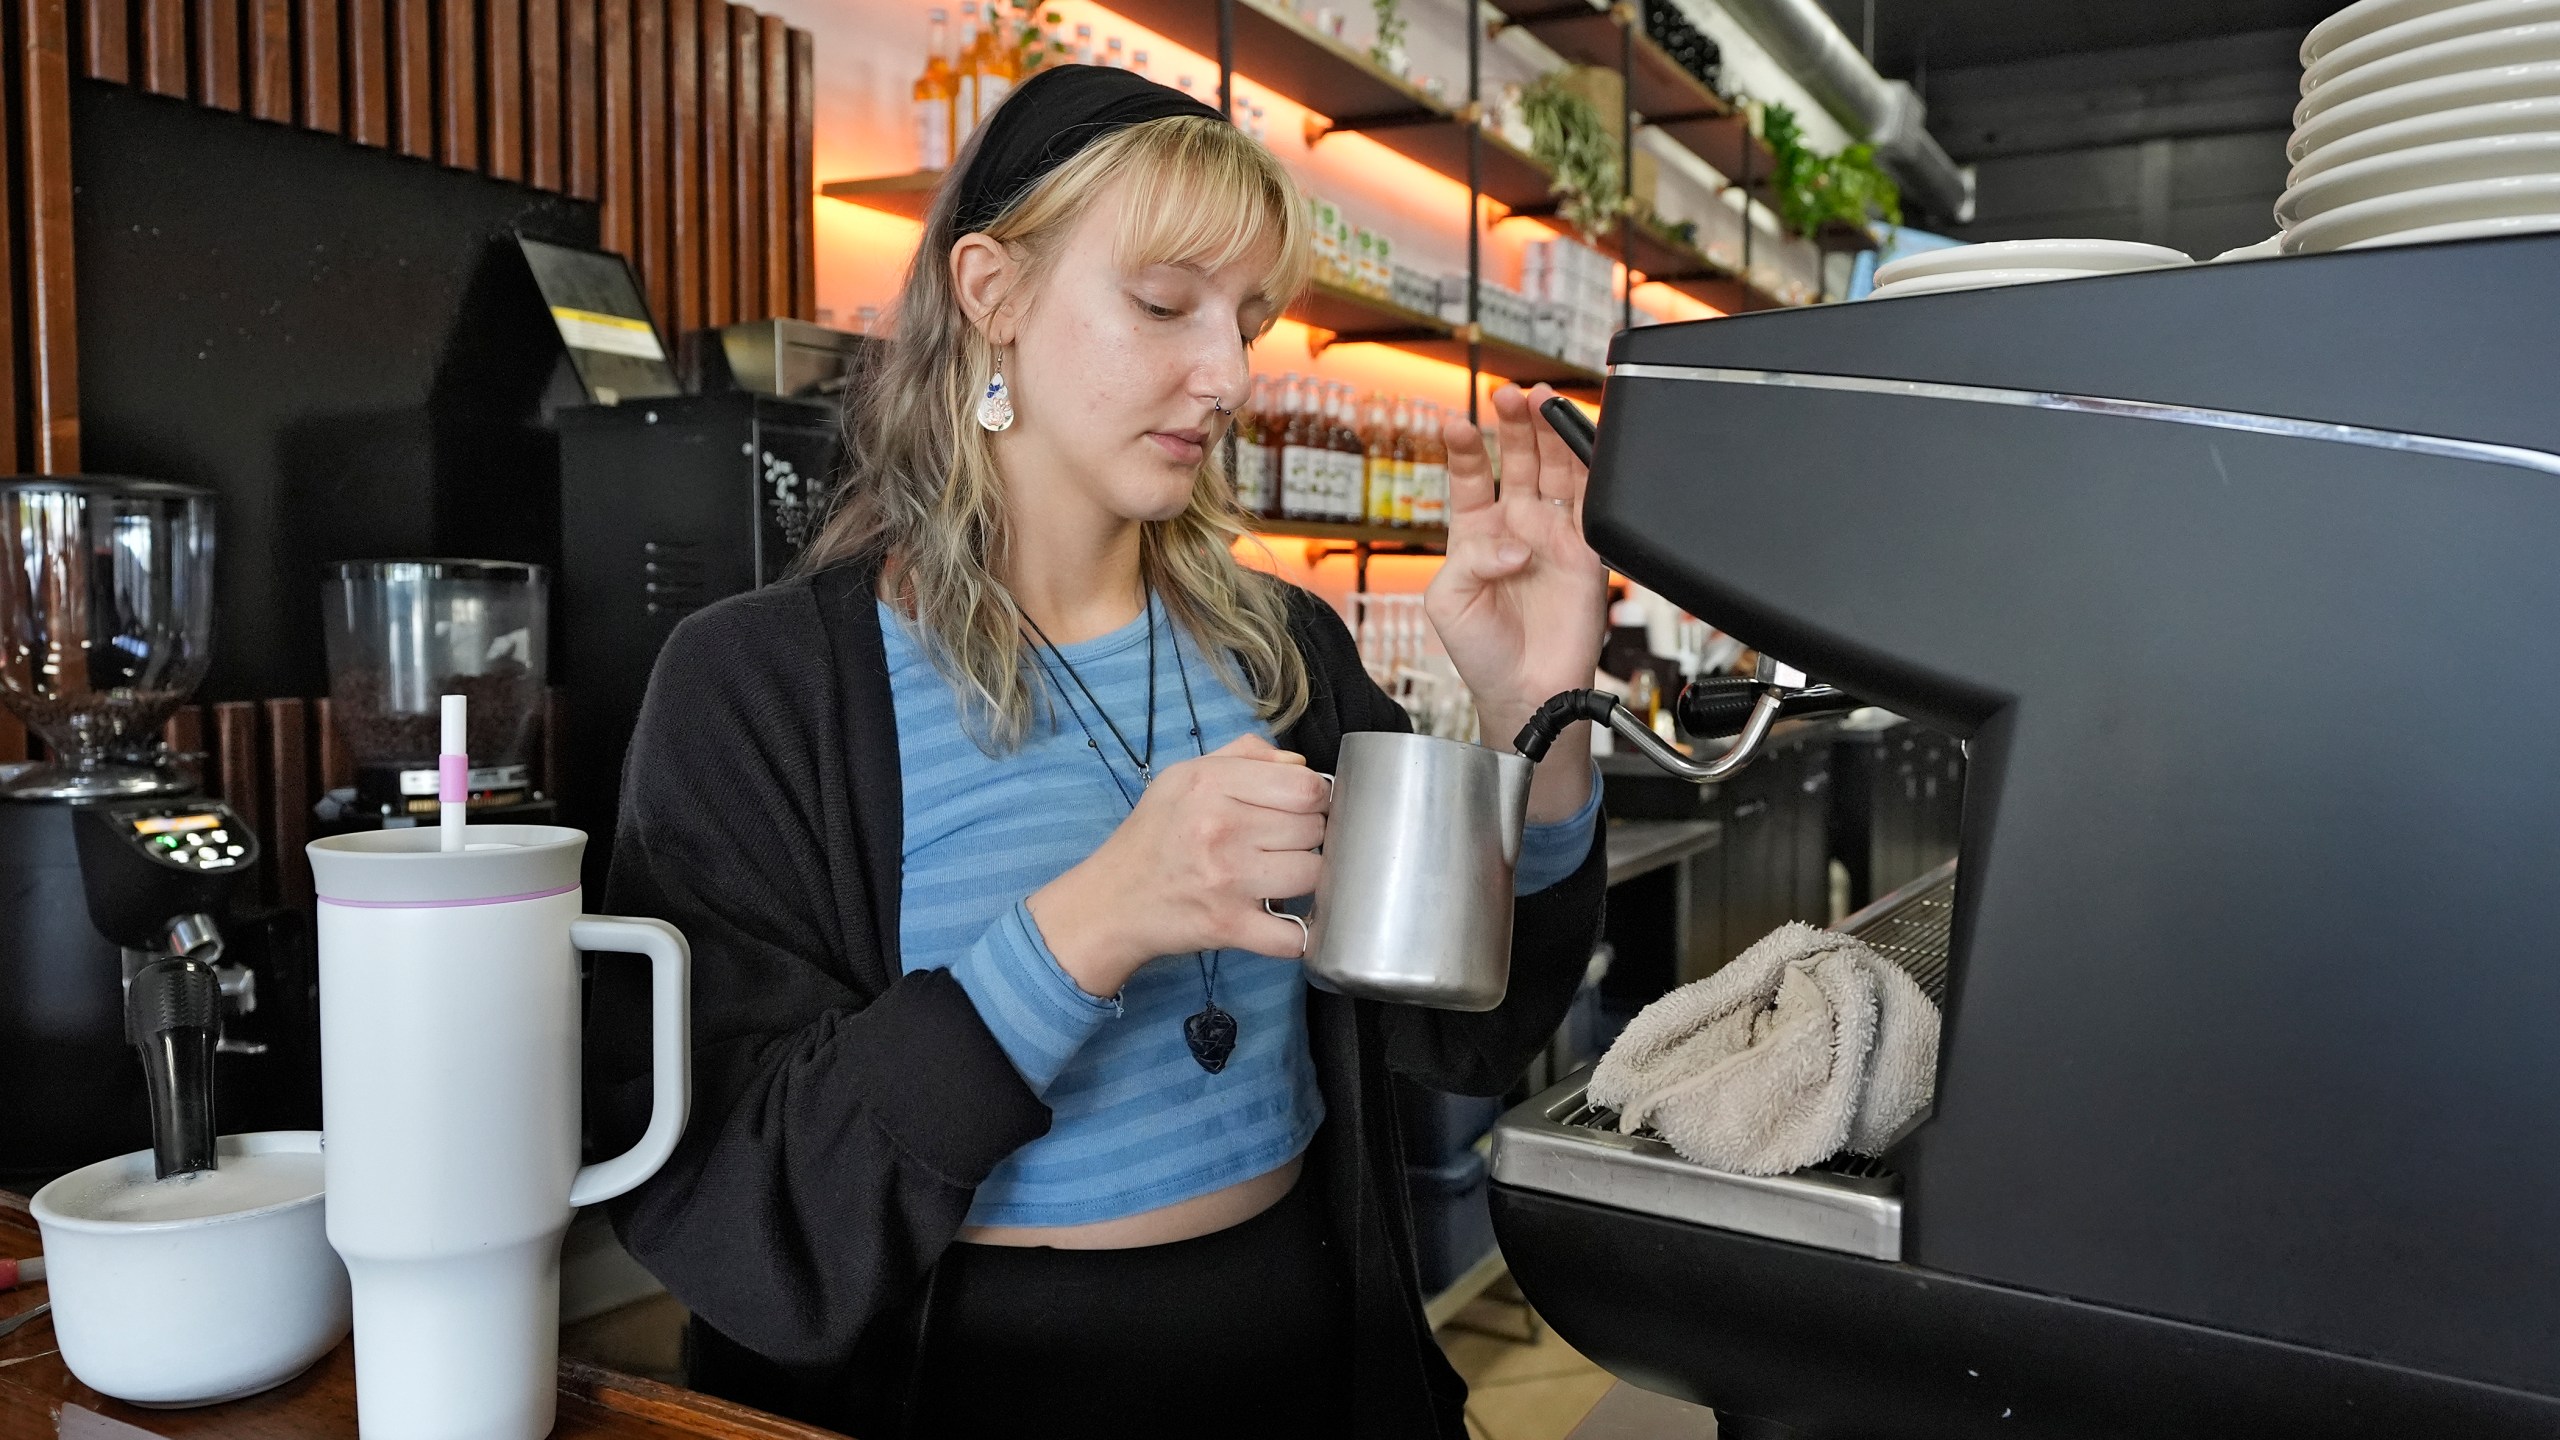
{"x": 964, "y": 77}
{"x": 1299, "y": 462}
{"x": 1431, "y": 471}
{"x": 1378, "y": 497}
{"x": 1248, "y": 460}
{"x": 932, "y": 94}
{"x": 1400, "y": 495}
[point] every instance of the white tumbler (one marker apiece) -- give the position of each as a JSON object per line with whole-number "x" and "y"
{"x": 449, "y": 1038}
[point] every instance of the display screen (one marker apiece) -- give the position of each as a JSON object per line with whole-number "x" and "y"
{"x": 171, "y": 824}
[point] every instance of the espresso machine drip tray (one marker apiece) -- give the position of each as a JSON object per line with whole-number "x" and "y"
{"x": 1562, "y": 1144}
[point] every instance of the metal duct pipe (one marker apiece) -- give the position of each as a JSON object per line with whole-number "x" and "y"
{"x": 1888, "y": 113}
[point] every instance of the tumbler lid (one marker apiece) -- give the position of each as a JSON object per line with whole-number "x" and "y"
{"x": 405, "y": 869}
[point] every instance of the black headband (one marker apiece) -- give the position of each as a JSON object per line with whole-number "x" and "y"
{"x": 1041, "y": 126}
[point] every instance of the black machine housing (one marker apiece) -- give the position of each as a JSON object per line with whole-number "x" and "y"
{"x": 2240, "y": 581}
{"x": 86, "y": 896}
{"x": 666, "y": 506}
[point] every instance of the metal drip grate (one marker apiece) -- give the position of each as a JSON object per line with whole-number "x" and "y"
{"x": 1563, "y": 1144}
{"x": 1860, "y": 1172}
{"x": 1914, "y": 933}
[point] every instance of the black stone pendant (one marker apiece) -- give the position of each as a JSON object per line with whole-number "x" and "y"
{"x": 1212, "y": 1037}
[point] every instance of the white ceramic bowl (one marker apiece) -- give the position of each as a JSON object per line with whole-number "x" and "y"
{"x": 2533, "y": 81}
{"x": 2462, "y": 230}
{"x": 2462, "y": 55}
{"x": 2470, "y": 122}
{"x": 2364, "y": 18}
{"x": 200, "y": 1307}
{"x": 2079, "y": 256}
{"x": 2514, "y": 196}
{"x": 2489, "y": 157}
{"x": 2470, "y": 19}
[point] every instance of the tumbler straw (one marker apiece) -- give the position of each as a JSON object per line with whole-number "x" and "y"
{"x": 453, "y": 788}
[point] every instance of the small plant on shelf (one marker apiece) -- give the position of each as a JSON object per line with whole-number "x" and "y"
{"x": 1814, "y": 189}
{"x": 1388, "y": 48}
{"x": 1039, "y": 38}
{"x": 1568, "y": 137}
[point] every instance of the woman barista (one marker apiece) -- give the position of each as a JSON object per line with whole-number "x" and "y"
{"x": 1012, "y": 1112}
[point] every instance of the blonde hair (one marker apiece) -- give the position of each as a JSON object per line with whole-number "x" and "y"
{"x": 921, "y": 494}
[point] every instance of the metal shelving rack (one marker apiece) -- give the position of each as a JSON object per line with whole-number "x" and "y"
{"x": 1355, "y": 95}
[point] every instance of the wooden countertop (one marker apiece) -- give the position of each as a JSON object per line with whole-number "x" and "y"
{"x": 39, "y": 1399}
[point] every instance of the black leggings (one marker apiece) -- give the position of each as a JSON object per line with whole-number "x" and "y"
{"x": 1240, "y": 1333}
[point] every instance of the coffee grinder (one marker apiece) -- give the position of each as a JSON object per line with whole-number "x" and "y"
{"x": 112, "y": 866}
{"x": 404, "y": 633}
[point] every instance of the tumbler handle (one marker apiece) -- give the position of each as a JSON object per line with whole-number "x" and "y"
{"x": 670, "y": 1052}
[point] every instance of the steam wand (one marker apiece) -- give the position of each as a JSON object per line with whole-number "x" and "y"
{"x": 1744, "y": 709}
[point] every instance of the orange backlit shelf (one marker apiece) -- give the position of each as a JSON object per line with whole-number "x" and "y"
{"x": 1342, "y": 316}
{"x": 1431, "y": 539}
{"x": 1669, "y": 260}
{"x": 1346, "y": 88}
{"x": 906, "y": 195}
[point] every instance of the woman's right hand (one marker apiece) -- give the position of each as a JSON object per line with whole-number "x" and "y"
{"x": 1209, "y": 841}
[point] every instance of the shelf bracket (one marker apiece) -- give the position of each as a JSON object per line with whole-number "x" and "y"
{"x": 1317, "y": 126}
{"x": 1563, "y": 13}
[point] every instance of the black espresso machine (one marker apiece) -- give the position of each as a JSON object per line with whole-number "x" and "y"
{"x": 2241, "y": 581}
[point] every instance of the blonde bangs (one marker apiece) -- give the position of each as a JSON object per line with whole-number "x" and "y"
{"x": 1203, "y": 195}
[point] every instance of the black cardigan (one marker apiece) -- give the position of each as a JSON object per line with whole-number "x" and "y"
{"x": 844, "y": 1112}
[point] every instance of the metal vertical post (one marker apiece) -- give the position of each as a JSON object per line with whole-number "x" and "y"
{"x": 1474, "y": 118}
{"x": 1627, "y": 164}
{"x": 1748, "y": 150}
{"x": 1227, "y": 58}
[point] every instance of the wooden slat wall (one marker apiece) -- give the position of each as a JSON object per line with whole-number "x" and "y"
{"x": 582, "y": 119}
{"x": 271, "y": 77}
{"x": 684, "y": 161}
{"x": 368, "y": 71}
{"x": 719, "y": 198}
{"x": 690, "y": 122}
{"x": 318, "y": 97}
{"x": 544, "y": 165}
{"x": 106, "y": 53}
{"x": 44, "y": 171}
{"x": 413, "y": 93}
{"x": 164, "y": 45}
{"x": 746, "y": 146}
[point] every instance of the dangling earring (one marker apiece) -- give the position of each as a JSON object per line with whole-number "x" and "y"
{"x": 995, "y": 403}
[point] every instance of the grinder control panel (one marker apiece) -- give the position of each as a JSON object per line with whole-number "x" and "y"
{"x": 195, "y": 834}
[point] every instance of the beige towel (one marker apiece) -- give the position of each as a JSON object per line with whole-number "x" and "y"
{"x": 1808, "y": 1044}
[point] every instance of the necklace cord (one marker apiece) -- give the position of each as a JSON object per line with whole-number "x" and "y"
{"x": 1209, "y": 965}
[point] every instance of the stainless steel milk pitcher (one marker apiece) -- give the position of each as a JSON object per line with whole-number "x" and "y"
{"x": 1414, "y": 903}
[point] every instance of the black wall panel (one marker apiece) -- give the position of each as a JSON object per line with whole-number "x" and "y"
{"x": 339, "y": 340}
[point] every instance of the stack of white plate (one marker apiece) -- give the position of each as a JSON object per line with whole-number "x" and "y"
{"x": 2015, "y": 262}
{"x": 2425, "y": 120}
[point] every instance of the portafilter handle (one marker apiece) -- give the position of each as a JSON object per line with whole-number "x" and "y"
{"x": 173, "y": 1010}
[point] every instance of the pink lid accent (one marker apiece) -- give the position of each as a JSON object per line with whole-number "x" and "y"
{"x": 453, "y": 779}
{"x": 443, "y": 904}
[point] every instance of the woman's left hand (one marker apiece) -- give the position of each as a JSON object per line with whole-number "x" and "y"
{"x": 1522, "y": 602}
